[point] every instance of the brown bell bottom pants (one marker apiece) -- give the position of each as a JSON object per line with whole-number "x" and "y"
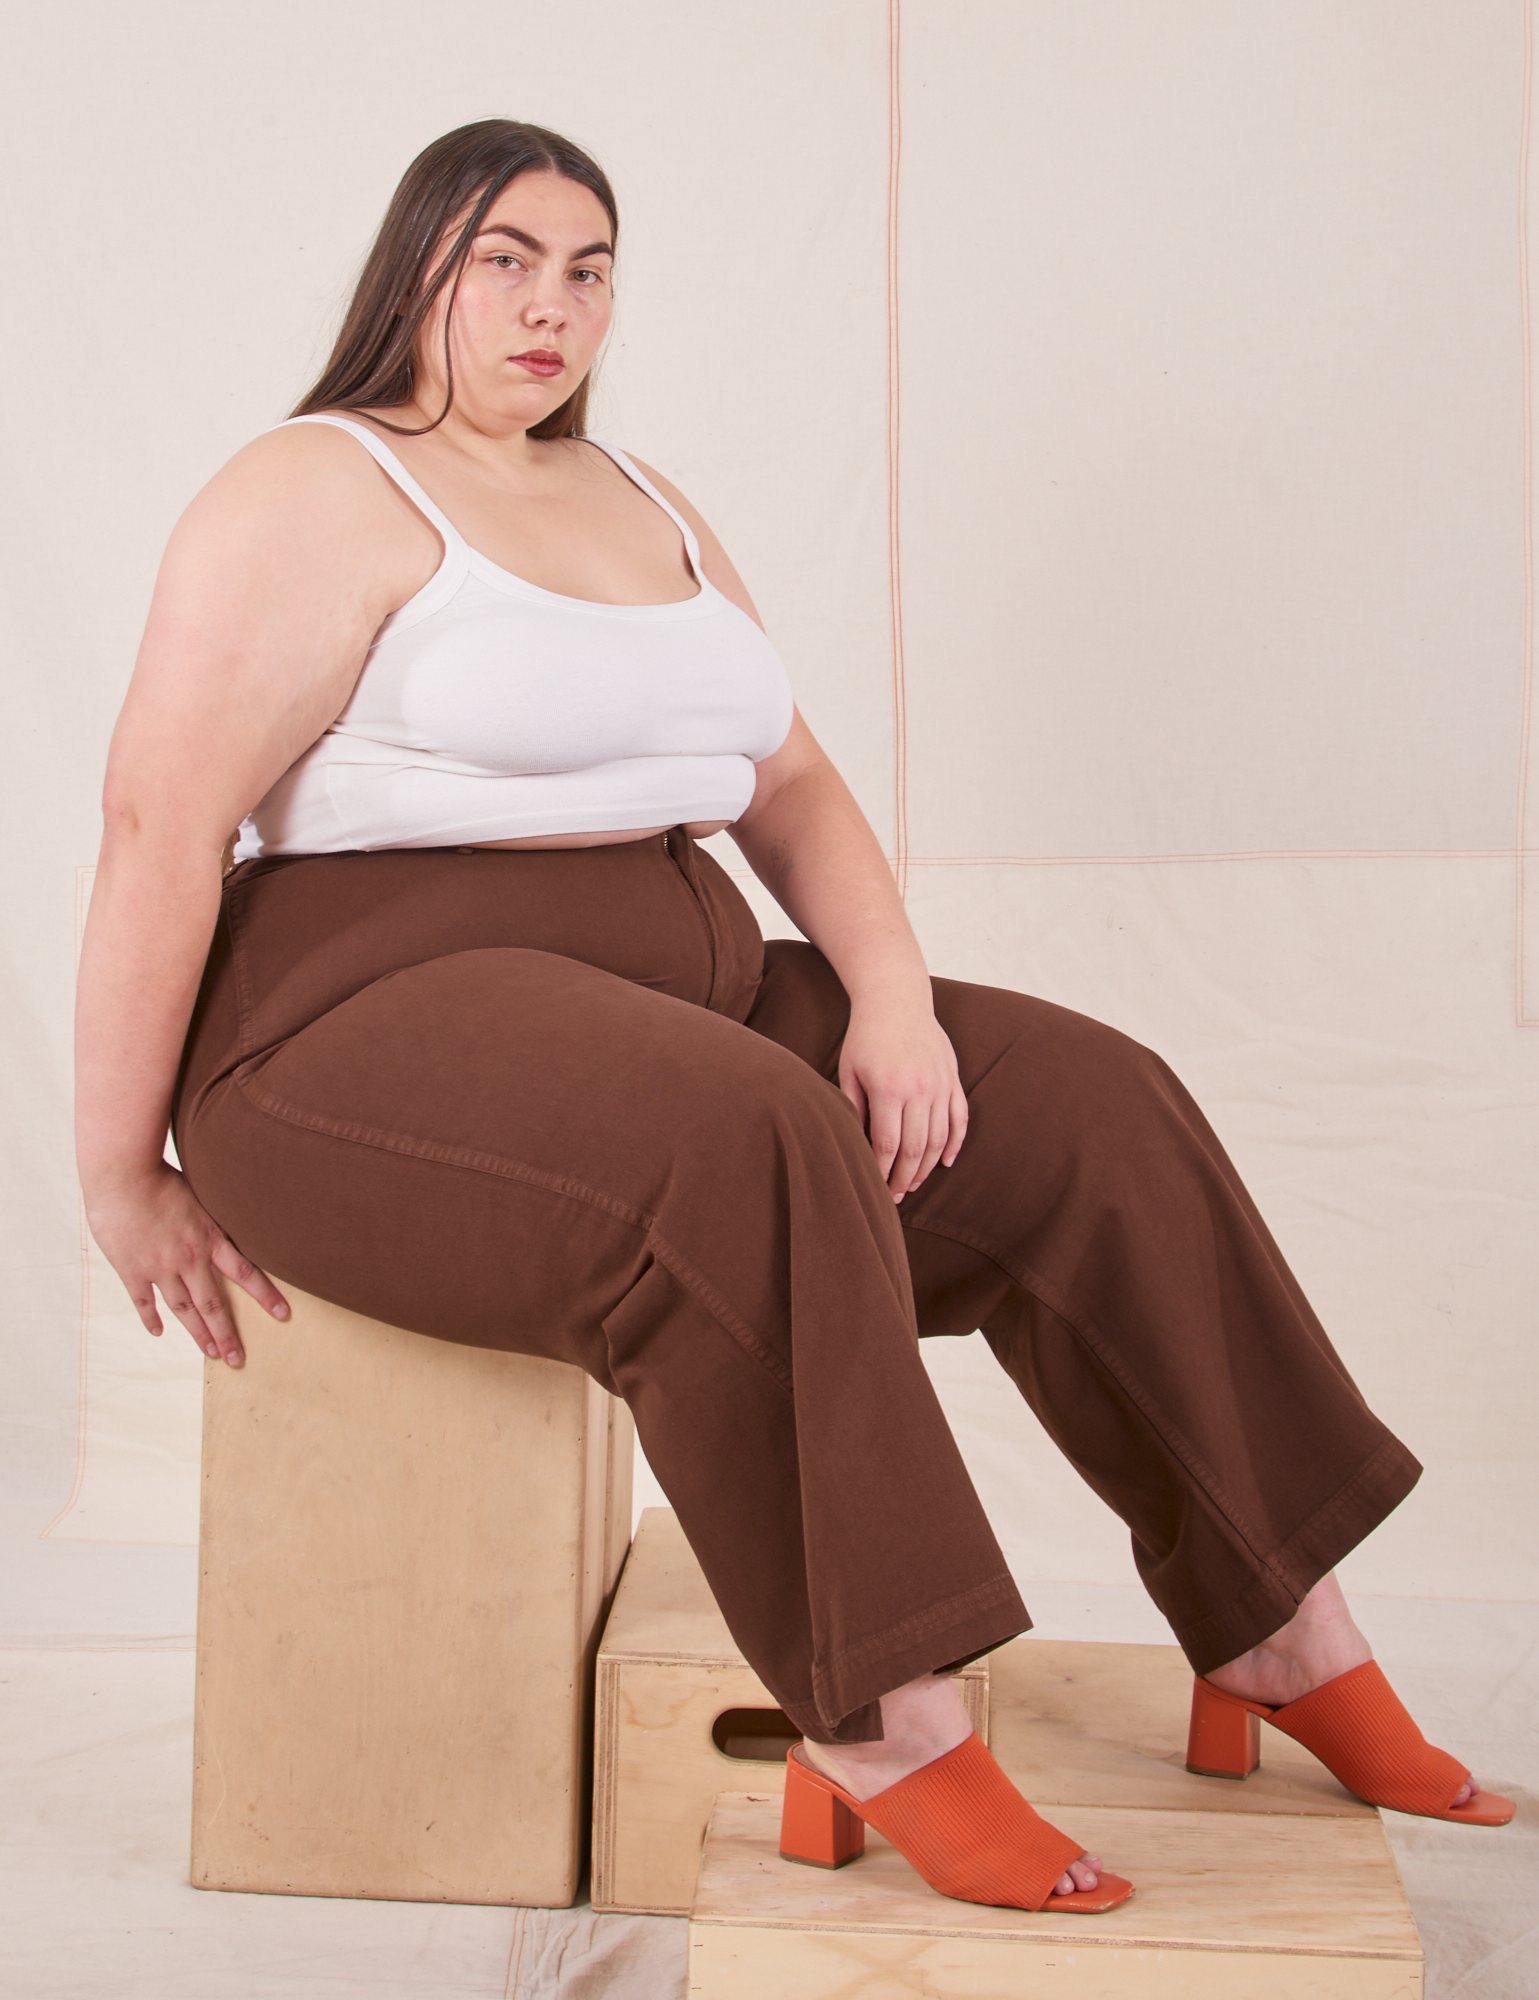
{"x": 567, "y": 1102}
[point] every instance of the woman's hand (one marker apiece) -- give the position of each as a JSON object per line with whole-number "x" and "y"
{"x": 810, "y": 845}
{"x": 898, "y": 1069}
{"x": 157, "y": 1237}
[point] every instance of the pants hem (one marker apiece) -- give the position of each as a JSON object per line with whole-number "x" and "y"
{"x": 843, "y": 1706}
{"x": 1312, "y": 1552}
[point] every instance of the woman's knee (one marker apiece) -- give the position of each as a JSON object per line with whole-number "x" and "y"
{"x": 990, "y": 1026}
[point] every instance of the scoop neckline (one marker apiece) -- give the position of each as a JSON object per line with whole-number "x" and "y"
{"x": 494, "y": 573}
{"x": 477, "y": 559}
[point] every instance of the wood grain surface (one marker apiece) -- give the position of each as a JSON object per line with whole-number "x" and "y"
{"x": 407, "y": 1547}
{"x": 667, "y": 1669}
{"x": 1077, "y": 1723}
{"x": 1232, "y": 1907}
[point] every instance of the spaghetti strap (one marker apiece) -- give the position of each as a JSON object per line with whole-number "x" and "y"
{"x": 633, "y": 472}
{"x": 391, "y": 465}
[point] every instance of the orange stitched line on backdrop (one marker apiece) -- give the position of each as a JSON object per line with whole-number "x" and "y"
{"x": 1526, "y": 712}
{"x": 894, "y": 539}
{"x": 903, "y": 859}
{"x": 83, "y": 1384}
{"x": 1215, "y": 854}
{"x": 1181, "y": 860}
{"x": 84, "y": 877}
{"x": 150, "y": 1646}
{"x": 515, "y": 1954}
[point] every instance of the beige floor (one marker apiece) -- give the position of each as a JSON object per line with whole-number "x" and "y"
{"x": 96, "y": 1748}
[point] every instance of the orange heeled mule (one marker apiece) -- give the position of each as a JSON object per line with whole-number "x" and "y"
{"x": 1360, "y": 1731}
{"x": 959, "y": 1821}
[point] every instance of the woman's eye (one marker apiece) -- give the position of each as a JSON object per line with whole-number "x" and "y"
{"x": 503, "y": 259}
{"x": 588, "y": 277}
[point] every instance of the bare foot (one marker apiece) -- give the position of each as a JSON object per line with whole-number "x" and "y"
{"x": 1319, "y": 1642}
{"x": 921, "y": 1721}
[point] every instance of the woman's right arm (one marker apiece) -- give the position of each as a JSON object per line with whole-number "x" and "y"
{"x": 271, "y": 590}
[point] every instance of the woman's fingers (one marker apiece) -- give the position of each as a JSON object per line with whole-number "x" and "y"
{"x": 911, "y": 1147}
{"x": 203, "y": 1310}
{"x": 884, "y": 1124}
{"x": 907, "y": 1135}
{"x": 144, "y": 1306}
{"x": 241, "y": 1271}
{"x": 956, "y": 1125}
{"x": 158, "y": 1237}
{"x": 910, "y": 1133}
{"x": 200, "y": 1307}
{"x": 940, "y": 1133}
{"x": 901, "y": 1076}
{"x": 925, "y": 1126}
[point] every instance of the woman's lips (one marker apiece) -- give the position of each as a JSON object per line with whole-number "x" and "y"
{"x": 541, "y": 361}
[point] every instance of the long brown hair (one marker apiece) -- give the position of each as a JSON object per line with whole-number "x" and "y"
{"x": 373, "y": 361}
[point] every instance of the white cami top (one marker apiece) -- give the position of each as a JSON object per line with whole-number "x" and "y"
{"x": 489, "y": 709}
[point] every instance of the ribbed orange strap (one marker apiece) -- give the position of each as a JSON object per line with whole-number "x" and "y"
{"x": 969, "y": 1832}
{"x": 1358, "y": 1726}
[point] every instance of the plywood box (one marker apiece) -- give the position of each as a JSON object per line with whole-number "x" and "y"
{"x": 1083, "y": 1723}
{"x": 1229, "y": 1906}
{"x": 681, "y": 1716}
{"x": 407, "y": 1548}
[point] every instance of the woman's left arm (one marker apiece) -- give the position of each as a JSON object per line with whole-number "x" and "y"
{"x": 812, "y": 847}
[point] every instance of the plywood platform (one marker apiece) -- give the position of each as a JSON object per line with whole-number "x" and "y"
{"x": 668, "y": 1672}
{"x": 1278, "y": 1906}
{"x": 407, "y": 1548}
{"x": 1072, "y": 1722}
{"x": 1078, "y": 1723}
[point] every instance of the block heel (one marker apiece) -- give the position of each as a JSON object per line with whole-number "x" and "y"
{"x": 1224, "y": 1739}
{"x": 1359, "y": 1730}
{"x": 959, "y": 1821}
{"x": 817, "y": 1828}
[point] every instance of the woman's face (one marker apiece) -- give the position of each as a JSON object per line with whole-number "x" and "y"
{"x": 533, "y": 305}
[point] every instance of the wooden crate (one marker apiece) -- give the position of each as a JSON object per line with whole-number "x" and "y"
{"x": 1078, "y": 1723}
{"x": 407, "y": 1548}
{"x": 1229, "y": 1906}
{"x": 668, "y": 1672}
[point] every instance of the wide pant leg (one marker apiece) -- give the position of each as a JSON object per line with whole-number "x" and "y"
{"x": 1094, "y": 1228}
{"x": 510, "y": 1147}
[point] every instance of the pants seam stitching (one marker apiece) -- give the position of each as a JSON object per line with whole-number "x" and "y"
{"x": 1330, "y": 1509}
{"x": 1364, "y": 1478}
{"x": 1084, "y": 1327}
{"x": 442, "y": 1153}
{"x": 245, "y": 1008}
{"x": 918, "y": 1625}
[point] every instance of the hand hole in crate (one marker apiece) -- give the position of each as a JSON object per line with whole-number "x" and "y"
{"x": 754, "y": 1735}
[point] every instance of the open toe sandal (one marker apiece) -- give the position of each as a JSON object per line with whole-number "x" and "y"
{"x": 959, "y": 1821}
{"x": 1359, "y": 1730}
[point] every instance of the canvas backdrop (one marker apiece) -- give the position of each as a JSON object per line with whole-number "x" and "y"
{"x": 1121, "y": 415}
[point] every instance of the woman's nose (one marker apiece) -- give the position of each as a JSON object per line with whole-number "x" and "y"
{"x": 543, "y": 305}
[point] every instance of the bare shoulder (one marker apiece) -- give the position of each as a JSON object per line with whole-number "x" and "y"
{"x": 303, "y": 470}
{"x": 714, "y": 558}
{"x": 310, "y": 498}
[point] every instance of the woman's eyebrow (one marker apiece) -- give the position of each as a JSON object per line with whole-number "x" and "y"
{"x": 533, "y": 242}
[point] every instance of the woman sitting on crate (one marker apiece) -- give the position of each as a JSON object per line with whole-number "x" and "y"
{"x": 475, "y": 1040}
